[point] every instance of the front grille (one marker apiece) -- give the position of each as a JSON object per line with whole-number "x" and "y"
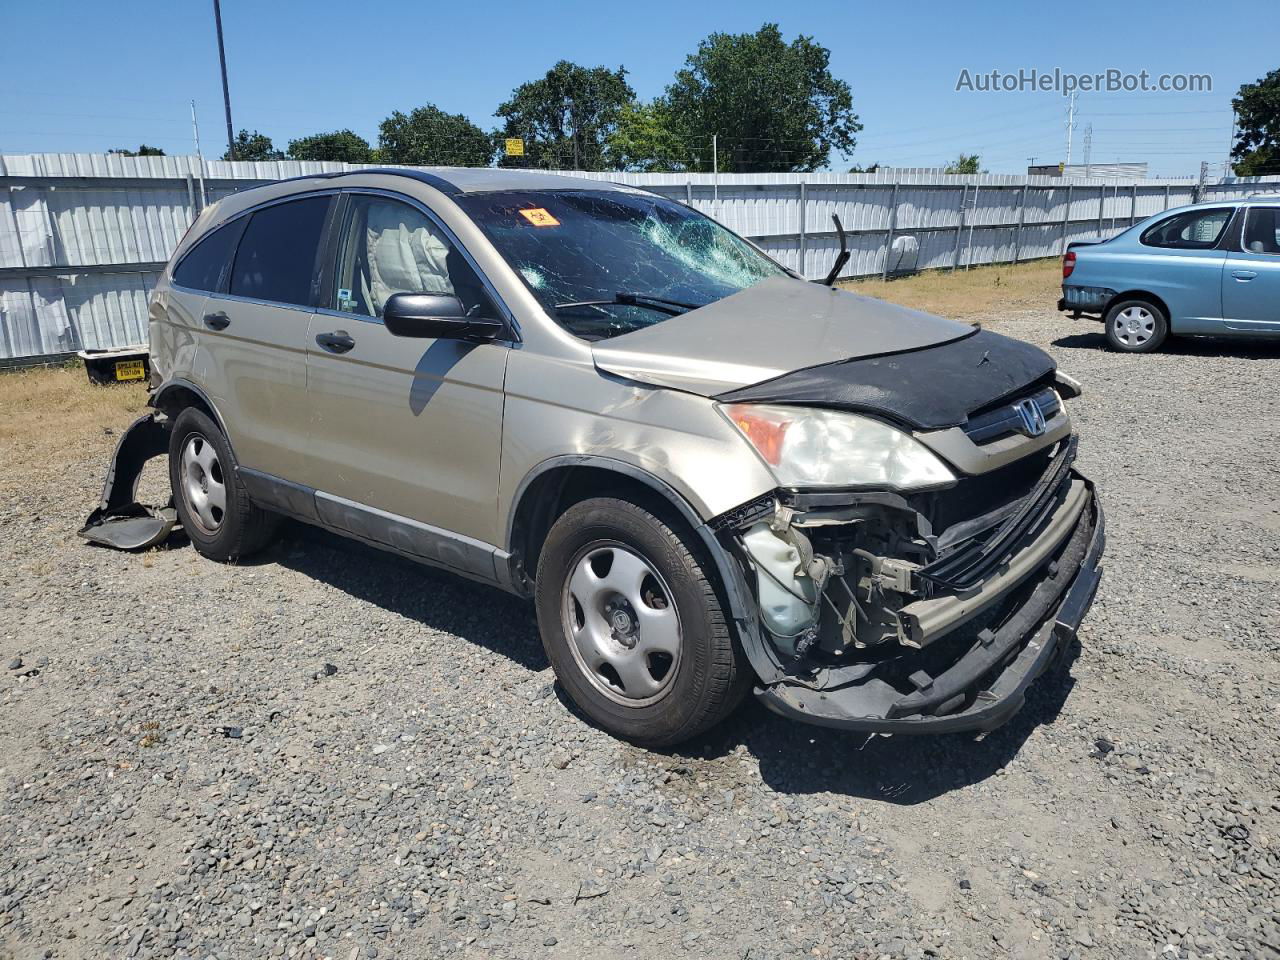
{"x": 977, "y": 496}
{"x": 1003, "y": 420}
{"x": 973, "y": 558}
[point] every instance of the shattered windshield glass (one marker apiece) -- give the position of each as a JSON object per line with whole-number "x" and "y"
{"x": 604, "y": 263}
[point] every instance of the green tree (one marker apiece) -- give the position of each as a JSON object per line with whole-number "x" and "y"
{"x": 254, "y": 146}
{"x": 1257, "y": 147}
{"x": 773, "y": 105}
{"x": 143, "y": 151}
{"x": 965, "y": 163}
{"x": 427, "y": 136}
{"x": 645, "y": 140}
{"x": 566, "y": 117}
{"x": 341, "y": 145}
{"x": 869, "y": 168}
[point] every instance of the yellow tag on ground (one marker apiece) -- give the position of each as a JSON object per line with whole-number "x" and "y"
{"x": 539, "y": 217}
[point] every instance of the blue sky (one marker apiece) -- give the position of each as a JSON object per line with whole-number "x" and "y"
{"x": 83, "y": 77}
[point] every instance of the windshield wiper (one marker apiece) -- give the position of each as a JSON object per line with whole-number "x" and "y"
{"x": 623, "y": 298}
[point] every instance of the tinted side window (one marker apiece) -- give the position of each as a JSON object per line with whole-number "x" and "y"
{"x": 277, "y": 254}
{"x": 1262, "y": 230}
{"x": 203, "y": 266}
{"x": 1193, "y": 230}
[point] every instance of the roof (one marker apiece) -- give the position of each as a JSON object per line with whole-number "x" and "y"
{"x": 459, "y": 180}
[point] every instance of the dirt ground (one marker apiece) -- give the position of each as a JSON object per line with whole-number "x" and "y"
{"x": 329, "y": 752}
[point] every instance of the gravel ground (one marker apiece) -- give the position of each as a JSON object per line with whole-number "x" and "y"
{"x": 333, "y": 753}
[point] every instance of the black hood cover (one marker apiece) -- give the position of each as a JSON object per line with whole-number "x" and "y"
{"x": 932, "y": 388}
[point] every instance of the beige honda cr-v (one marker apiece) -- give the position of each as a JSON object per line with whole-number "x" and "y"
{"x": 710, "y": 474}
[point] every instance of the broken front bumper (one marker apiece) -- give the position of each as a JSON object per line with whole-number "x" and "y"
{"x": 987, "y": 685}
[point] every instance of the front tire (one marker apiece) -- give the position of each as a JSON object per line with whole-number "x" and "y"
{"x": 632, "y": 624}
{"x": 1136, "y": 326}
{"x": 213, "y": 505}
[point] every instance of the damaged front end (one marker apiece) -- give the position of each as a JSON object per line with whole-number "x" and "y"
{"x": 922, "y": 612}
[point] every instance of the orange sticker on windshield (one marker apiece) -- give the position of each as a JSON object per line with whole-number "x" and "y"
{"x": 539, "y": 217}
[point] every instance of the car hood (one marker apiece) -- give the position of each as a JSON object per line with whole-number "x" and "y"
{"x": 775, "y": 327}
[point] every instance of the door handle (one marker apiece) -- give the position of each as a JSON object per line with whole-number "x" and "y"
{"x": 337, "y": 342}
{"x": 217, "y": 321}
{"x": 1244, "y": 274}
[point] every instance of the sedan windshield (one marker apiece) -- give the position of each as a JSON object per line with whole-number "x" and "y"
{"x": 604, "y": 263}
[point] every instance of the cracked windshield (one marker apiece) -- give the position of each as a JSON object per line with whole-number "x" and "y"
{"x": 605, "y": 264}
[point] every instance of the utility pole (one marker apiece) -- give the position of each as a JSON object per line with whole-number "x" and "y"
{"x": 1226, "y": 168}
{"x": 195, "y": 130}
{"x": 1088, "y": 148}
{"x": 715, "y": 171}
{"x": 1071, "y": 123}
{"x": 226, "y": 91}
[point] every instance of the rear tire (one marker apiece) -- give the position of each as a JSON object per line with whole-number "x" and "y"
{"x": 1136, "y": 326}
{"x": 632, "y": 624}
{"x": 212, "y": 503}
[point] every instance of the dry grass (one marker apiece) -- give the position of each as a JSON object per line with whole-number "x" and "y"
{"x": 45, "y": 413}
{"x": 977, "y": 294}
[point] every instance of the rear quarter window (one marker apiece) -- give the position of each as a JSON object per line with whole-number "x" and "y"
{"x": 204, "y": 266}
{"x": 276, "y": 259}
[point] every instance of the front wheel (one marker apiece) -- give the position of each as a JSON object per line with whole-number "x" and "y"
{"x": 1136, "y": 326}
{"x": 632, "y": 625}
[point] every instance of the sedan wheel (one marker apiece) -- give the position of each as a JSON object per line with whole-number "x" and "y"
{"x": 1136, "y": 326}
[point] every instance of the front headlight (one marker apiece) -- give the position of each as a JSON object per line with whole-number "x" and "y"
{"x": 809, "y": 446}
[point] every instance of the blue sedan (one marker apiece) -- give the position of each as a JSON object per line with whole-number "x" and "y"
{"x": 1212, "y": 269}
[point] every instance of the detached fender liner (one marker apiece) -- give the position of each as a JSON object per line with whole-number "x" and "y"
{"x": 932, "y": 388}
{"x": 988, "y": 684}
{"x": 119, "y": 520}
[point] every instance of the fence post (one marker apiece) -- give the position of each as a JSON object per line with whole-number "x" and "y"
{"x": 191, "y": 196}
{"x": 804, "y": 209}
{"x": 1022, "y": 217}
{"x": 893, "y": 222}
{"x": 955, "y": 254}
{"x": 1102, "y": 206}
{"x": 1066, "y": 216}
{"x": 1166, "y": 196}
{"x": 688, "y": 192}
{"x": 1133, "y": 206}
{"x": 968, "y": 256}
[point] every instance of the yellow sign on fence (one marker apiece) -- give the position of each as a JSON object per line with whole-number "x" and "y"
{"x": 515, "y": 147}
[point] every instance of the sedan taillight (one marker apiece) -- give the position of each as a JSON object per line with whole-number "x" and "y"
{"x": 1068, "y": 264}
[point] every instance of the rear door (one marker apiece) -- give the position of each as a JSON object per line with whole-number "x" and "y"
{"x": 405, "y": 434}
{"x": 1251, "y": 280}
{"x": 256, "y": 334}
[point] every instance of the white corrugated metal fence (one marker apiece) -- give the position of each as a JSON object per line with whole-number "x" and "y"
{"x": 83, "y": 236}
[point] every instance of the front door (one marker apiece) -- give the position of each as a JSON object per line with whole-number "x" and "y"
{"x": 405, "y": 434}
{"x": 1251, "y": 277}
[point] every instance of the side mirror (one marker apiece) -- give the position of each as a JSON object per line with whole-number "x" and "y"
{"x": 437, "y": 316}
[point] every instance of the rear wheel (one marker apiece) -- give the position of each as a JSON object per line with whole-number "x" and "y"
{"x": 212, "y": 504}
{"x": 1136, "y": 326}
{"x": 632, "y": 624}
